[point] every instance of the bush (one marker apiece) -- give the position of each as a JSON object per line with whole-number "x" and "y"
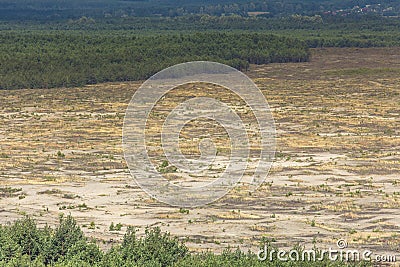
{"x": 22, "y": 244}
{"x": 66, "y": 235}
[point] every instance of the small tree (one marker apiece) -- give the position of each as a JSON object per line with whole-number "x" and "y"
{"x": 66, "y": 235}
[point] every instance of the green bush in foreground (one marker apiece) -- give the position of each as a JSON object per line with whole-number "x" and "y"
{"x": 24, "y": 244}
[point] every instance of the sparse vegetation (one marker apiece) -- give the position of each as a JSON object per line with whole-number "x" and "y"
{"x": 166, "y": 168}
{"x": 329, "y": 174}
{"x": 9, "y": 191}
{"x": 115, "y": 227}
{"x": 50, "y": 192}
{"x": 184, "y": 211}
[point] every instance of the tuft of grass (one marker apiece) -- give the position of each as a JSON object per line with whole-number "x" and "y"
{"x": 184, "y": 211}
{"x": 4, "y": 156}
{"x": 69, "y": 196}
{"x": 50, "y": 192}
{"x": 115, "y": 227}
{"x": 92, "y": 225}
{"x": 166, "y": 168}
{"x": 60, "y": 154}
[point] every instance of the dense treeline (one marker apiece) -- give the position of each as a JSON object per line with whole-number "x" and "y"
{"x": 24, "y": 244}
{"x": 206, "y": 22}
{"x": 55, "y": 59}
{"x": 363, "y": 31}
{"x": 86, "y": 51}
{"x": 61, "y": 9}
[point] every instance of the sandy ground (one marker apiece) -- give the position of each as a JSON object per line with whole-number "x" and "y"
{"x": 335, "y": 176}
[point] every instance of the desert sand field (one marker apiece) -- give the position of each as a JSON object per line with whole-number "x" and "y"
{"x": 335, "y": 175}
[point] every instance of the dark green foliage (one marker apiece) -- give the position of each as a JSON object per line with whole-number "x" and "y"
{"x": 73, "y": 53}
{"x": 23, "y": 244}
{"x": 115, "y": 227}
{"x": 28, "y": 237}
{"x": 66, "y": 237}
{"x": 238, "y": 259}
{"x": 46, "y": 60}
{"x": 83, "y": 251}
{"x": 154, "y": 249}
{"x": 74, "y": 9}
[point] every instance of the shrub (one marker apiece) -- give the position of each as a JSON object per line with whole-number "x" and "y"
{"x": 66, "y": 235}
{"x": 23, "y": 244}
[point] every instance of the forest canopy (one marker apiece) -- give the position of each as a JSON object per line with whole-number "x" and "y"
{"x": 61, "y": 9}
{"x": 58, "y": 43}
{"x": 64, "y": 59}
